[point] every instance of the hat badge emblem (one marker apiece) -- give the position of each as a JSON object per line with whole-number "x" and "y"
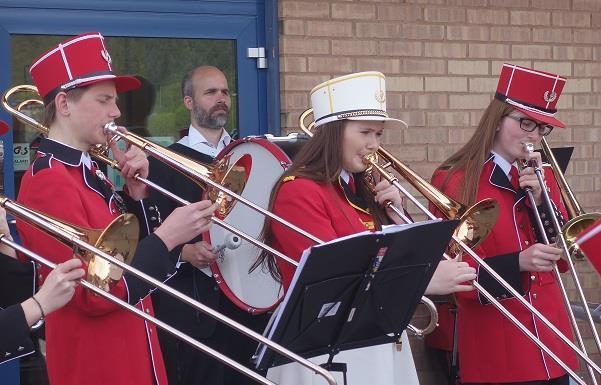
{"x": 105, "y": 55}
{"x": 380, "y": 96}
{"x": 550, "y": 96}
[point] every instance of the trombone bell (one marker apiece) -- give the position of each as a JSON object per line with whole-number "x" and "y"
{"x": 119, "y": 239}
{"x": 476, "y": 222}
{"x": 575, "y": 227}
{"x": 232, "y": 177}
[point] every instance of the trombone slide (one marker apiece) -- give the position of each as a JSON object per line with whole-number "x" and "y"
{"x": 37, "y": 220}
{"x": 160, "y": 324}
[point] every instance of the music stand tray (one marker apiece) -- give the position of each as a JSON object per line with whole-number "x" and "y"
{"x": 356, "y": 291}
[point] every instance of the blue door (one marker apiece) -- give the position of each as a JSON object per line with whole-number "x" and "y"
{"x": 158, "y": 39}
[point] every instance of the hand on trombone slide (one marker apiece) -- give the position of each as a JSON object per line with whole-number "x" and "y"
{"x": 539, "y": 257}
{"x": 132, "y": 162}
{"x": 451, "y": 276}
{"x": 386, "y": 192}
{"x": 528, "y": 178}
{"x": 185, "y": 223}
{"x": 4, "y": 249}
{"x": 59, "y": 286}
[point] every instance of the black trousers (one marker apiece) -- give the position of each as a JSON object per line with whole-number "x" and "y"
{"x": 563, "y": 380}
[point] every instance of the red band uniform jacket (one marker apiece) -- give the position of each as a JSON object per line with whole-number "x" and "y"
{"x": 329, "y": 212}
{"x": 92, "y": 340}
{"x": 491, "y": 349}
{"x": 320, "y": 209}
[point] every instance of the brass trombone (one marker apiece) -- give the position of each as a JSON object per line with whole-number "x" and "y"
{"x": 463, "y": 245}
{"x": 579, "y": 220}
{"x": 160, "y": 324}
{"x": 475, "y": 222}
{"x": 211, "y": 177}
{"x": 77, "y": 238}
{"x": 577, "y": 224}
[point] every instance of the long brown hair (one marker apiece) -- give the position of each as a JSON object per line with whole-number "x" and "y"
{"x": 471, "y": 157}
{"x": 319, "y": 160}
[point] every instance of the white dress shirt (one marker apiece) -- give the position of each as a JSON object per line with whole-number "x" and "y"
{"x": 196, "y": 141}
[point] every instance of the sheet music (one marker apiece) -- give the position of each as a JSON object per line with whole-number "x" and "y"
{"x": 389, "y": 229}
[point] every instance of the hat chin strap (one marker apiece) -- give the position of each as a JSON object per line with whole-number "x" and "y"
{"x": 528, "y": 108}
{"x": 74, "y": 83}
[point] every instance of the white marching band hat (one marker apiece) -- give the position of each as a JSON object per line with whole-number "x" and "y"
{"x": 358, "y": 96}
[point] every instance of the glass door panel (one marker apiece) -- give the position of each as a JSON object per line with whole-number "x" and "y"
{"x": 156, "y": 109}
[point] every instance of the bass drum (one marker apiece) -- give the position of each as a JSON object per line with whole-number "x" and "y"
{"x": 263, "y": 160}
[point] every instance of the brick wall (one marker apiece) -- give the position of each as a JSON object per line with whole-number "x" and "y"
{"x": 442, "y": 59}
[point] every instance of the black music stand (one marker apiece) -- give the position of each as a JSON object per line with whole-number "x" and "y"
{"x": 561, "y": 154}
{"x": 356, "y": 291}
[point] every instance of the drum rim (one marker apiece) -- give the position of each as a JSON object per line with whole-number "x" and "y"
{"x": 285, "y": 161}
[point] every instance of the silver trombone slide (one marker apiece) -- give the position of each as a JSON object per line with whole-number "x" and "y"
{"x": 394, "y": 181}
{"x": 166, "y": 327}
{"x": 508, "y": 314}
{"x": 564, "y": 246}
{"x": 33, "y": 218}
{"x": 541, "y": 229}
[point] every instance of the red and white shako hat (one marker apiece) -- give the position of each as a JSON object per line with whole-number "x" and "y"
{"x": 77, "y": 62}
{"x": 358, "y": 96}
{"x": 533, "y": 92}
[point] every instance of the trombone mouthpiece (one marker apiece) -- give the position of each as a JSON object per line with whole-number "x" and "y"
{"x": 529, "y": 147}
{"x": 371, "y": 157}
{"x": 110, "y": 127}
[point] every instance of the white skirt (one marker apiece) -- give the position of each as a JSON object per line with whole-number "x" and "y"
{"x": 377, "y": 365}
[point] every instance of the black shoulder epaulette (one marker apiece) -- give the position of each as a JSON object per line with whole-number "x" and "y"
{"x": 41, "y": 163}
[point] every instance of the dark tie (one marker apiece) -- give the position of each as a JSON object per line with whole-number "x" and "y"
{"x": 515, "y": 178}
{"x": 351, "y": 184}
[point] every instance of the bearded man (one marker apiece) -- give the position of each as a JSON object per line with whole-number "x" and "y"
{"x": 206, "y": 95}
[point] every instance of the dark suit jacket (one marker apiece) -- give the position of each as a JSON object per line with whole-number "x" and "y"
{"x": 15, "y": 341}
{"x": 16, "y": 285}
{"x": 188, "y": 279}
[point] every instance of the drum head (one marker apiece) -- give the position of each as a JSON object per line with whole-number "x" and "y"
{"x": 256, "y": 291}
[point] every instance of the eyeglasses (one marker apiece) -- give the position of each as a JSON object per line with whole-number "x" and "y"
{"x": 530, "y": 125}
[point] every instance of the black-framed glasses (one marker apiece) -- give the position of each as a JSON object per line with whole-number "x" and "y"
{"x": 530, "y": 125}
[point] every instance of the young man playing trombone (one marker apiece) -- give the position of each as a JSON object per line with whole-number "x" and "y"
{"x": 92, "y": 340}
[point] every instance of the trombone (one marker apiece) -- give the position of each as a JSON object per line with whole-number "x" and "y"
{"x": 475, "y": 222}
{"x": 162, "y": 325}
{"x": 63, "y": 232}
{"x": 204, "y": 175}
{"x": 210, "y": 177}
{"x": 465, "y": 246}
{"x": 577, "y": 224}
{"x": 579, "y": 220}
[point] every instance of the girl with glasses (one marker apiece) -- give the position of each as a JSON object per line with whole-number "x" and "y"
{"x": 492, "y": 350}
